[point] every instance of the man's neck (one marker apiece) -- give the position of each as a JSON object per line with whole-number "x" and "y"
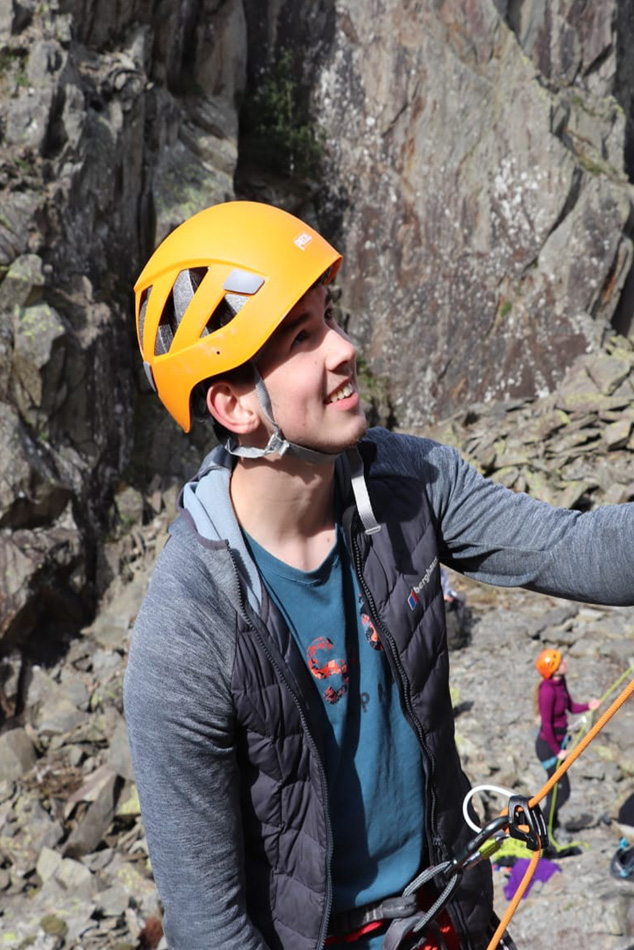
{"x": 288, "y": 507}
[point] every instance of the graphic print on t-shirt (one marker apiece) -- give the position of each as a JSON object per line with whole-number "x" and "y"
{"x": 324, "y": 666}
{"x": 369, "y": 629}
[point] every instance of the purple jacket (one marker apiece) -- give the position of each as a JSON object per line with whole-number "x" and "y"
{"x": 554, "y": 702}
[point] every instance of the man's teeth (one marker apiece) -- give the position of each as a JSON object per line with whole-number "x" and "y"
{"x": 342, "y": 393}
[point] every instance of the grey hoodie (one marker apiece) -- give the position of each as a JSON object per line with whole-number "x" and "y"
{"x": 179, "y": 698}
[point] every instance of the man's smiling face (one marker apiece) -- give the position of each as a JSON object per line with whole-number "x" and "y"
{"x": 309, "y": 369}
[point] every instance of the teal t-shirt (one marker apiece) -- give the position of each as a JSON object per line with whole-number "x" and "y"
{"x": 373, "y": 762}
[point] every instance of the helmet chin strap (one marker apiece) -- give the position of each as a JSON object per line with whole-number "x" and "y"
{"x": 277, "y": 442}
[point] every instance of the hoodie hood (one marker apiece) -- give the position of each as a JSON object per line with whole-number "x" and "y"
{"x": 207, "y": 501}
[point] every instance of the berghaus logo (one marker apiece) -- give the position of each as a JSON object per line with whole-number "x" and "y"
{"x": 412, "y": 600}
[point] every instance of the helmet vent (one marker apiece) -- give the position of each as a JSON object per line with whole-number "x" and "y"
{"x": 165, "y": 331}
{"x": 145, "y": 296}
{"x": 229, "y": 306}
{"x": 179, "y": 299}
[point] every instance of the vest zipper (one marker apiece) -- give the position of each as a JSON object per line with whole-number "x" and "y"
{"x": 387, "y": 636}
{"x": 437, "y": 843}
{"x": 304, "y": 719}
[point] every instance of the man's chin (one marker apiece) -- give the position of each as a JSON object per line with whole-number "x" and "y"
{"x": 337, "y": 447}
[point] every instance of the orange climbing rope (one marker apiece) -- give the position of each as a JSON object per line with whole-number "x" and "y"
{"x": 563, "y": 768}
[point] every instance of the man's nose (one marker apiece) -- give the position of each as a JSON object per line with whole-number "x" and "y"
{"x": 341, "y": 348}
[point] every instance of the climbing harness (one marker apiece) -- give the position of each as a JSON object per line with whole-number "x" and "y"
{"x": 371, "y": 919}
{"x": 410, "y": 920}
{"x": 521, "y": 823}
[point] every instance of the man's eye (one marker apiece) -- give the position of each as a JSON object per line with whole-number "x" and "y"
{"x": 329, "y": 315}
{"x": 301, "y": 337}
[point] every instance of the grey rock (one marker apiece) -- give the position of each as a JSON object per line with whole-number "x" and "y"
{"x": 18, "y": 209}
{"x": 17, "y": 754}
{"x": 48, "y": 864}
{"x": 36, "y": 330}
{"x": 89, "y": 831}
{"x": 33, "y": 829}
{"x": 126, "y": 874}
{"x": 474, "y": 174}
{"x": 105, "y": 662}
{"x": 617, "y": 434}
{"x": 113, "y": 901}
{"x": 75, "y": 688}
{"x": 101, "y": 778}
{"x": 608, "y": 372}
{"x": 387, "y": 111}
{"x": 119, "y": 755}
{"x": 56, "y": 712}
{"x": 98, "y": 860}
{"x": 22, "y": 283}
{"x": 75, "y": 878}
{"x": 27, "y": 118}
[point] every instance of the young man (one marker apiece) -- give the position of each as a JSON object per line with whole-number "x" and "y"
{"x": 287, "y": 688}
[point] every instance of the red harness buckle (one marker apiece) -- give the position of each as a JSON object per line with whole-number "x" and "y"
{"x": 448, "y": 939}
{"x": 357, "y": 934}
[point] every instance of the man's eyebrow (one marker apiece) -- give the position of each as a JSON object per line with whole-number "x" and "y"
{"x": 287, "y": 326}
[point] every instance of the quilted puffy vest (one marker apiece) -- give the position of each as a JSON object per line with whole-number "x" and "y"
{"x": 281, "y": 717}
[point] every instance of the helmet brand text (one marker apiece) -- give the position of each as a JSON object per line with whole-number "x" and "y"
{"x": 303, "y": 240}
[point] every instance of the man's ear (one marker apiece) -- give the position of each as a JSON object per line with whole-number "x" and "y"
{"x": 232, "y": 406}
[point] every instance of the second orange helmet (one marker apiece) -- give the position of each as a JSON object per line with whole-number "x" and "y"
{"x": 548, "y": 662}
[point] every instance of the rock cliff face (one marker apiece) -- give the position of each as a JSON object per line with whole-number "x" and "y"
{"x": 115, "y": 123}
{"x": 479, "y": 155}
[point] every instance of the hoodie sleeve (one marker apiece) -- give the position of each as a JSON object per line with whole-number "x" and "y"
{"x": 180, "y": 719}
{"x": 510, "y": 539}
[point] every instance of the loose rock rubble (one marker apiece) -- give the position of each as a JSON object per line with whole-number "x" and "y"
{"x": 493, "y": 680}
{"x": 74, "y": 868}
{"x": 573, "y": 447}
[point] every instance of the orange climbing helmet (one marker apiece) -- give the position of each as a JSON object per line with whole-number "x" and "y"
{"x": 217, "y": 288}
{"x": 548, "y": 663}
